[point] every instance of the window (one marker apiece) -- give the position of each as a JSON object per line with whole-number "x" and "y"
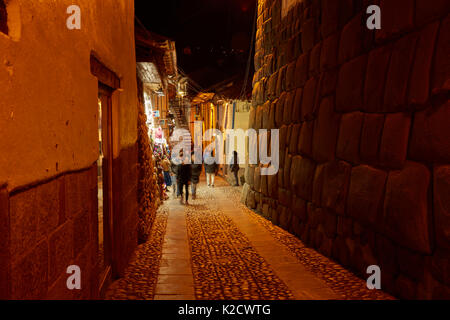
{"x": 3, "y": 18}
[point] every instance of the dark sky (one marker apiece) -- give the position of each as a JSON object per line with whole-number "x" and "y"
{"x": 212, "y": 36}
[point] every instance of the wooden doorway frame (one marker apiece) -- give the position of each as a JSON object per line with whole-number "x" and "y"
{"x": 108, "y": 82}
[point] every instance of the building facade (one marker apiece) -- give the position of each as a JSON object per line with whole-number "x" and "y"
{"x": 68, "y": 122}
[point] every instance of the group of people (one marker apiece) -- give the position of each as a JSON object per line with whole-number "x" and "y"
{"x": 160, "y": 158}
{"x": 186, "y": 173}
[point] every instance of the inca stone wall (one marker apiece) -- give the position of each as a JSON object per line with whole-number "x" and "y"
{"x": 364, "y": 121}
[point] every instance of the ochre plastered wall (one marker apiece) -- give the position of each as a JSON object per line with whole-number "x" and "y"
{"x": 48, "y": 109}
{"x": 364, "y": 135}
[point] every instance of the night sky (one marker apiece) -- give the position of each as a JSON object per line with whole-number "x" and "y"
{"x": 212, "y": 36}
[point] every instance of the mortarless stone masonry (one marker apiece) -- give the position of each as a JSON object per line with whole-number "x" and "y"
{"x": 364, "y": 135}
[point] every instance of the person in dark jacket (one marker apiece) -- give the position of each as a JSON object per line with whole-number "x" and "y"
{"x": 210, "y": 170}
{"x": 195, "y": 178}
{"x": 165, "y": 164}
{"x": 184, "y": 179}
{"x": 235, "y": 167}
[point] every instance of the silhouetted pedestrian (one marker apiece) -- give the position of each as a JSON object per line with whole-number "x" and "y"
{"x": 210, "y": 170}
{"x": 165, "y": 164}
{"x": 174, "y": 173}
{"x": 184, "y": 178}
{"x": 235, "y": 167}
{"x": 195, "y": 178}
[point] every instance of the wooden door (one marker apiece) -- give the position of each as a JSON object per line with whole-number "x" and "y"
{"x": 105, "y": 185}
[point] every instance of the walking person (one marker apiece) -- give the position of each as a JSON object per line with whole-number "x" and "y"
{"x": 195, "y": 177}
{"x": 210, "y": 170}
{"x": 184, "y": 179}
{"x": 174, "y": 173}
{"x": 235, "y": 167}
{"x": 166, "y": 171}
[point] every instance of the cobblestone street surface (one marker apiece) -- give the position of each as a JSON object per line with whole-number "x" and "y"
{"x": 225, "y": 265}
{"x": 142, "y": 273}
{"x": 216, "y": 248}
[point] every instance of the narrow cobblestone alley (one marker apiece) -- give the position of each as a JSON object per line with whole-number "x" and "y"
{"x": 324, "y": 125}
{"x": 216, "y": 248}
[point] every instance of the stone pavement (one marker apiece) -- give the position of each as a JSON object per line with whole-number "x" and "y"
{"x": 216, "y": 248}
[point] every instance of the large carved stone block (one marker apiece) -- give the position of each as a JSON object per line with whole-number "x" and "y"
{"x": 293, "y": 143}
{"x": 336, "y": 180}
{"x": 365, "y": 199}
{"x": 257, "y": 179}
{"x": 281, "y": 82}
{"x": 301, "y": 70}
{"x": 328, "y": 56}
{"x": 309, "y": 97}
{"x": 272, "y": 186}
{"x": 314, "y": 62}
{"x": 290, "y": 76}
{"x": 426, "y": 13}
{"x": 266, "y": 114}
{"x": 297, "y": 106}
{"x": 251, "y": 202}
{"x": 419, "y": 86}
{"x": 371, "y": 137}
{"x": 309, "y": 35}
{"x": 441, "y": 69}
{"x": 349, "y": 137}
{"x": 305, "y": 139}
{"x": 287, "y": 171}
{"x": 430, "y": 140}
{"x": 328, "y": 82}
{"x": 393, "y": 22}
{"x": 350, "y": 44}
{"x": 330, "y": 17}
{"x": 302, "y": 176}
{"x": 394, "y": 142}
{"x": 325, "y": 131}
{"x": 288, "y": 108}
{"x": 398, "y": 74}
{"x": 318, "y": 185}
{"x": 272, "y": 112}
{"x": 406, "y": 207}
{"x": 259, "y": 118}
{"x": 440, "y": 266}
{"x": 349, "y": 91}
{"x": 280, "y": 110}
{"x": 284, "y": 197}
{"x": 245, "y": 191}
{"x": 441, "y": 189}
{"x": 377, "y": 67}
